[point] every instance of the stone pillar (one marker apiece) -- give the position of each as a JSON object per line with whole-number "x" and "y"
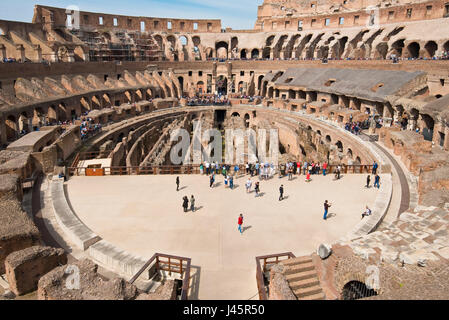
{"x": 308, "y": 97}
{"x": 38, "y": 52}
{"x": 2, "y": 52}
{"x": 21, "y": 52}
{"x": 446, "y": 139}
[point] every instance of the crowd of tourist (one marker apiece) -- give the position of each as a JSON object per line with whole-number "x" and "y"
{"x": 215, "y": 100}
{"x": 89, "y": 128}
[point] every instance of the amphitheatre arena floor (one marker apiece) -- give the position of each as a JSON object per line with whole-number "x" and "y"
{"x": 143, "y": 215}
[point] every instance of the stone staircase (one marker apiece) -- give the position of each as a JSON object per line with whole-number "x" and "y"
{"x": 303, "y": 278}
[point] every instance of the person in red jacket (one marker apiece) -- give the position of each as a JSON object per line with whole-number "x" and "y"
{"x": 324, "y": 168}
{"x": 240, "y": 223}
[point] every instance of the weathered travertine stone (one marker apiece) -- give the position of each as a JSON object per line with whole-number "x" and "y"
{"x": 25, "y": 267}
{"x": 63, "y": 283}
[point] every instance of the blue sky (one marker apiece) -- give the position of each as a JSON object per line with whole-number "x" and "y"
{"x": 237, "y": 14}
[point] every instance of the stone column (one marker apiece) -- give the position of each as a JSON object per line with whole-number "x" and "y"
{"x": 2, "y": 52}
{"x": 38, "y": 52}
{"x": 21, "y": 52}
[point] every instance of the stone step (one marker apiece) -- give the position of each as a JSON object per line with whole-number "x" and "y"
{"x": 295, "y": 261}
{"x": 318, "y": 296}
{"x": 300, "y": 268}
{"x": 302, "y": 284}
{"x": 305, "y": 292}
{"x": 301, "y": 276}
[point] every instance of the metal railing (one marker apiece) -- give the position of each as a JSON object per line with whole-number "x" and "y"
{"x": 268, "y": 261}
{"x": 171, "y": 264}
{"x": 74, "y": 170}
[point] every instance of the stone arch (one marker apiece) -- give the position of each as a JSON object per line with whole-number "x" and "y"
{"x": 107, "y": 99}
{"x": 52, "y": 115}
{"x": 428, "y": 125}
{"x": 183, "y": 40}
{"x": 139, "y": 95}
{"x": 255, "y": 54}
{"x": 413, "y": 50}
{"x": 181, "y": 84}
{"x": 357, "y": 161}
{"x": 96, "y": 102}
{"x": 349, "y": 154}
{"x": 259, "y": 82}
{"x": 446, "y": 46}
{"x": 222, "y": 48}
{"x": 62, "y": 111}
{"x": 11, "y": 128}
{"x": 38, "y": 117}
{"x": 382, "y": 50}
{"x": 23, "y": 123}
{"x": 354, "y": 290}
{"x": 270, "y": 92}
{"x": 200, "y": 87}
{"x": 235, "y": 114}
{"x": 2, "y": 33}
{"x": 339, "y": 145}
{"x": 85, "y": 104}
{"x": 328, "y": 139}
{"x": 128, "y": 97}
{"x": 240, "y": 87}
{"x": 266, "y": 53}
{"x": 431, "y": 47}
{"x": 243, "y": 54}
{"x": 222, "y": 85}
{"x": 397, "y": 47}
{"x": 291, "y": 94}
{"x": 269, "y": 41}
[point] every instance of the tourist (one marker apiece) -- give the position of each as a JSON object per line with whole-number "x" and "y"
{"x": 366, "y": 213}
{"x": 201, "y": 169}
{"x": 212, "y": 180}
{"x": 207, "y": 168}
{"x": 248, "y": 185}
{"x": 185, "y": 203}
{"x": 281, "y": 192}
{"x": 247, "y": 168}
{"x": 236, "y": 170}
{"x": 177, "y": 183}
{"x": 240, "y": 223}
{"x": 327, "y": 205}
{"x": 324, "y": 168}
{"x": 308, "y": 177}
{"x": 377, "y": 181}
{"x": 305, "y": 167}
{"x": 298, "y": 168}
{"x": 375, "y": 166}
{"x": 192, "y": 203}
{"x": 257, "y": 188}
{"x": 226, "y": 181}
{"x": 368, "y": 181}
{"x": 290, "y": 172}
{"x": 231, "y": 182}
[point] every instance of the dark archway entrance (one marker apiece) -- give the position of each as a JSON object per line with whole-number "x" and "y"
{"x": 354, "y": 290}
{"x": 222, "y": 85}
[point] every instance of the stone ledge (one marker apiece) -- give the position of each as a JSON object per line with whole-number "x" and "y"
{"x": 77, "y": 231}
{"x": 117, "y": 260}
{"x": 379, "y": 210}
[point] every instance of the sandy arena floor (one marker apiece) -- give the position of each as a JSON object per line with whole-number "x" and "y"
{"x": 144, "y": 215}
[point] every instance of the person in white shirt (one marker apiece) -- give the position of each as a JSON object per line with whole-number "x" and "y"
{"x": 366, "y": 213}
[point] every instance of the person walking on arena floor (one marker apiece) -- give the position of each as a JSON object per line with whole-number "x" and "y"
{"x": 327, "y": 205}
{"x": 257, "y": 188}
{"x": 192, "y": 203}
{"x": 212, "y": 180}
{"x": 240, "y": 223}
{"x": 281, "y": 192}
{"x": 177, "y": 183}
{"x": 368, "y": 181}
{"x": 248, "y": 185}
{"x": 377, "y": 181}
{"x": 185, "y": 203}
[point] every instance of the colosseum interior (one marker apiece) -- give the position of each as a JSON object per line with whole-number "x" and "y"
{"x": 88, "y": 106}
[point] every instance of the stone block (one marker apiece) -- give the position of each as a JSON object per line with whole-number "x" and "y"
{"x": 25, "y": 267}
